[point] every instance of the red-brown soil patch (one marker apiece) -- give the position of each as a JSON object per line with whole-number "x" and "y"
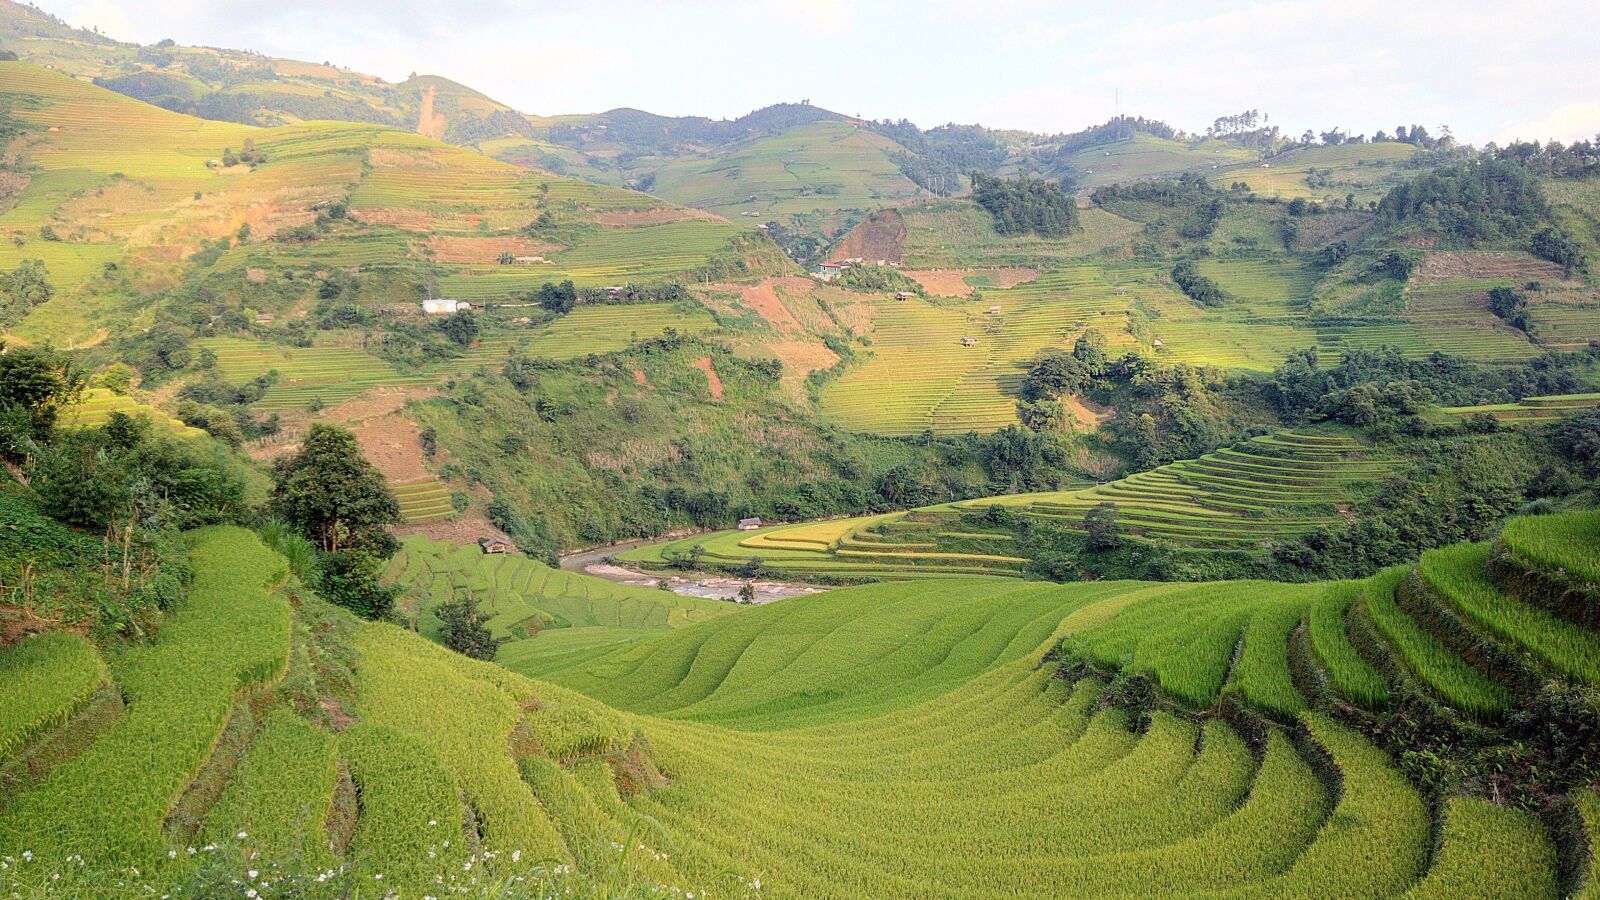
{"x": 952, "y": 282}
{"x": 881, "y": 236}
{"x": 704, "y": 365}
{"x": 639, "y": 378}
{"x": 463, "y": 529}
{"x": 1089, "y": 414}
{"x": 764, "y": 299}
{"x": 429, "y": 123}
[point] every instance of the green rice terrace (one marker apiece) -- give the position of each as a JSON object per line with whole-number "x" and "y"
{"x": 954, "y": 365}
{"x": 1271, "y": 488}
{"x": 1113, "y": 739}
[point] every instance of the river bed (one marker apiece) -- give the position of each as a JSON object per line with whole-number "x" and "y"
{"x": 716, "y": 586}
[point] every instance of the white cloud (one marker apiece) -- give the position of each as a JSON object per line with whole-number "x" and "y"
{"x": 1573, "y": 122}
{"x": 1488, "y": 69}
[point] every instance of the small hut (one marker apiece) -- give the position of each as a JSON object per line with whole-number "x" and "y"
{"x": 750, "y": 524}
{"x": 969, "y": 342}
{"x": 495, "y": 545}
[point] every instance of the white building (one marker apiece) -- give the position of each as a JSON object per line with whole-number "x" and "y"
{"x": 439, "y": 306}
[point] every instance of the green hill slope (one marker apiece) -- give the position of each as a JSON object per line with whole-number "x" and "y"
{"x": 781, "y": 749}
{"x": 119, "y": 199}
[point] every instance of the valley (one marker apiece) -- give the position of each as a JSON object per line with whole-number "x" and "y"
{"x": 406, "y": 495}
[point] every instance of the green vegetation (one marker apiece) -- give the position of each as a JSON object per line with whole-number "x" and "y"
{"x": 1024, "y": 205}
{"x": 47, "y": 678}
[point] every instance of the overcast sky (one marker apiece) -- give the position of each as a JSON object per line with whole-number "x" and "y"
{"x": 1489, "y": 70}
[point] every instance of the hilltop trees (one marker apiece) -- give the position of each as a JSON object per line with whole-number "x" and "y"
{"x": 1474, "y": 202}
{"x": 1195, "y": 286}
{"x": 1025, "y": 205}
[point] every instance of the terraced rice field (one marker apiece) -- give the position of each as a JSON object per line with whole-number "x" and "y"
{"x": 423, "y": 500}
{"x": 98, "y": 404}
{"x": 546, "y": 616}
{"x": 801, "y": 737}
{"x": 1366, "y": 170}
{"x": 1484, "y": 342}
{"x": 1271, "y": 488}
{"x": 606, "y": 329}
{"x": 1566, "y": 327}
{"x": 1531, "y": 410}
{"x": 306, "y": 374}
{"x": 603, "y": 256}
{"x": 920, "y": 376}
{"x": 861, "y": 548}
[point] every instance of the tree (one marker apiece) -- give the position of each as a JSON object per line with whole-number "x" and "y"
{"x": 460, "y": 327}
{"x": 36, "y": 383}
{"x": 333, "y": 496}
{"x": 349, "y": 579}
{"x": 464, "y": 628}
{"x": 557, "y": 298}
{"x": 23, "y": 288}
{"x": 1101, "y": 525}
{"x": 747, "y": 593}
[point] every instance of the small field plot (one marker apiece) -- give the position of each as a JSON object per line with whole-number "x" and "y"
{"x": 546, "y": 615}
{"x": 98, "y": 404}
{"x": 306, "y": 375}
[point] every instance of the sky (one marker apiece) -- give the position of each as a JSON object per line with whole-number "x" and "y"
{"x": 1491, "y": 71}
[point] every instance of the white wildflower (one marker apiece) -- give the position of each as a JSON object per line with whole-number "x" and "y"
{"x": 252, "y": 874}
{"x": 241, "y": 835}
{"x": 516, "y": 856}
{"x": 250, "y": 893}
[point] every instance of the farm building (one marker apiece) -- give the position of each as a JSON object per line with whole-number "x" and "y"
{"x": 750, "y": 524}
{"x": 994, "y": 310}
{"x": 969, "y": 342}
{"x": 828, "y": 271}
{"x": 439, "y": 306}
{"x": 903, "y": 296}
{"x": 527, "y": 260}
{"x": 495, "y": 545}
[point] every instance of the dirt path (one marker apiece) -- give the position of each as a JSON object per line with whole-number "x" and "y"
{"x": 429, "y": 124}
{"x": 704, "y": 365}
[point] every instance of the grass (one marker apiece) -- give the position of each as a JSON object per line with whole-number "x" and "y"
{"x": 230, "y": 633}
{"x": 547, "y": 616}
{"x": 1490, "y": 851}
{"x": 1436, "y": 665}
{"x": 1566, "y": 548}
{"x": 1349, "y": 674}
{"x": 1457, "y": 574}
{"x": 98, "y": 404}
{"x": 783, "y": 745}
{"x": 280, "y": 793}
{"x": 43, "y": 681}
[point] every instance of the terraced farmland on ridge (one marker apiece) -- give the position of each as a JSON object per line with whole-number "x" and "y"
{"x": 801, "y": 736}
{"x": 1273, "y": 488}
{"x": 333, "y": 373}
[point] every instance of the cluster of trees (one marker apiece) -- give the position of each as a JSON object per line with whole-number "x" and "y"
{"x": 1301, "y": 390}
{"x": 23, "y": 288}
{"x": 1189, "y": 202}
{"x": 1249, "y": 128}
{"x": 1476, "y": 202}
{"x": 1511, "y": 306}
{"x": 1025, "y": 205}
{"x": 1202, "y": 290}
{"x": 936, "y": 158}
{"x": 1579, "y": 159}
{"x": 878, "y": 278}
{"x": 331, "y": 495}
{"x": 248, "y": 155}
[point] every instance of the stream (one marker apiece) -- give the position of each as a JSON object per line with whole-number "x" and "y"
{"x": 690, "y": 584}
